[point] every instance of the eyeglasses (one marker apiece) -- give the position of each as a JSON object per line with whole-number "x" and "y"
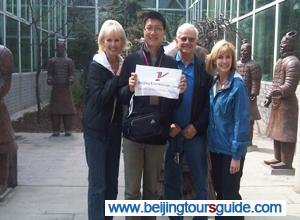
{"x": 150, "y": 29}
{"x": 189, "y": 39}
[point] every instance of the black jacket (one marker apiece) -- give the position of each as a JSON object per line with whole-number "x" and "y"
{"x": 101, "y": 105}
{"x": 200, "y": 103}
{"x": 142, "y": 104}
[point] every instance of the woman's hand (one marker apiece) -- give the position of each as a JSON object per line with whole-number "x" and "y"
{"x": 234, "y": 166}
{"x": 132, "y": 81}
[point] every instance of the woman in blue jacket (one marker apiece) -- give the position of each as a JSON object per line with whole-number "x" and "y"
{"x": 228, "y": 130}
{"x": 102, "y": 119}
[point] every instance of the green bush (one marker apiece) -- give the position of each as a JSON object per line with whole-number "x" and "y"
{"x": 78, "y": 90}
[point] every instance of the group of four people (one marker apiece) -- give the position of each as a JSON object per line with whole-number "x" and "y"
{"x": 209, "y": 112}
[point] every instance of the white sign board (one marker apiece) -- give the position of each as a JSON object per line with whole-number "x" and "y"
{"x": 157, "y": 81}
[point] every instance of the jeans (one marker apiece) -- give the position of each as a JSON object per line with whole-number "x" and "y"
{"x": 227, "y": 185}
{"x": 195, "y": 152}
{"x": 103, "y": 157}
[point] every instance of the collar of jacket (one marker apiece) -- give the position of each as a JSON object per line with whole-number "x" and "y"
{"x": 286, "y": 54}
{"x": 101, "y": 58}
{"x": 148, "y": 55}
{"x": 227, "y": 85}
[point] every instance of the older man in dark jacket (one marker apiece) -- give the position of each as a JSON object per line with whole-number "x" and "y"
{"x": 188, "y": 133}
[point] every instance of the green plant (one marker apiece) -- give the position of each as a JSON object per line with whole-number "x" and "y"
{"x": 78, "y": 90}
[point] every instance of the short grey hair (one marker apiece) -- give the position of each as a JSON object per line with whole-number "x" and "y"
{"x": 185, "y": 26}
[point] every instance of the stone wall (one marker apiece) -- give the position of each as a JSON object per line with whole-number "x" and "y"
{"x": 22, "y": 92}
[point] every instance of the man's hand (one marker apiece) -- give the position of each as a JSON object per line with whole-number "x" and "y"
{"x": 182, "y": 84}
{"x": 49, "y": 81}
{"x": 234, "y": 166}
{"x": 189, "y": 131}
{"x": 267, "y": 102}
{"x": 174, "y": 130}
{"x": 132, "y": 81}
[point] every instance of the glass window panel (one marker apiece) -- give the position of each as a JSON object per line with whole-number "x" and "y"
{"x": 51, "y": 15}
{"x": 174, "y": 19}
{"x": 63, "y": 20}
{"x": 25, "y": 10}
{"x": 231, "y": 33}
{"x": 11, "y": 6}
{"x": 44, "y": 48}
{"x": 289, "y": 17}
{"x": 227, "y": 8}
{"x": 260, "y": 3}
{"x": 25, "y": 48}
{"x": 52, "y": 46}
{"x": 211, "y": 9}
{"x": 149, "y": 3}
{"x": 180, "y": 4}
{"x": 1, "y": 30}
{"x": 204, "y": 9}
{"x": 264, "y": 41}
{"x": 12, "y": 40}
{"x": 246, "y": 6}
{"x": 86, "y": 3}
{"x": 1, "y": 5}
{"x": 245, "y": 32}
{"x": 234, "y": 8}
{"x": 45, "y": 12}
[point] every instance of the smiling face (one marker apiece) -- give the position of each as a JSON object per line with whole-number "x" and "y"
{"x": 223, "y": 63}
{"x": 186, "y": 42}
{"x": 112, "y": 44}
{"x": 154, "y": 33}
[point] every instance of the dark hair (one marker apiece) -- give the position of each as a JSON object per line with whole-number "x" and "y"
{"x": 155, "y": 15}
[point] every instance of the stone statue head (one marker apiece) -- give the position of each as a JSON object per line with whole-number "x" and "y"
{"x": 287, "y": 43}
{"x": 245, "y": 51}
{"x": 60, "y": 47}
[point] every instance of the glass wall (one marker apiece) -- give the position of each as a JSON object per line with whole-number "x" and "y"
{"x": 256, "y": 21}
{"x": 21, "y": 37}
{"x": 260, "y": 3}
{"x": 264, "y": 41}
{"x": 12, "y": 40}
{"x": 244, "y": 32}
{"x": 1, "y": 29}
{"x": 25, "y": 48}
{"x": 289, "y": 19}
{"x": 246, "y": 6}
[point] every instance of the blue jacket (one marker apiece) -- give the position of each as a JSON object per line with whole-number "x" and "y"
{"x": 228, "y": 129}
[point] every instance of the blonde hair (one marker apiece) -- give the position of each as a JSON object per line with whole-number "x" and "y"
{"x": 220, "y": 48}
{"x": 111, "y": 26}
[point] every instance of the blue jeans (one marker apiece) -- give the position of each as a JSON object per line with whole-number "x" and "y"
{"x": 195, "y": 152}
{"x": 103, "y": 156}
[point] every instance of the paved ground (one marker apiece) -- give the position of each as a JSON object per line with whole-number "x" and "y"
{"x": 53, "y": 180}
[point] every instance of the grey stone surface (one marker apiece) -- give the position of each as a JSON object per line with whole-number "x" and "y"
{"x": 53, "y": 180}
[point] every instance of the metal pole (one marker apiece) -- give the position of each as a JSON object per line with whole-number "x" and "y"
{"x": 96, "y": 17}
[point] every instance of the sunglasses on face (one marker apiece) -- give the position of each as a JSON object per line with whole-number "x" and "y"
{"x": 189, "y": 39}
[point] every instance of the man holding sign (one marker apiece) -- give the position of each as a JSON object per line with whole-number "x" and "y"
{"x": 148, "y": 118}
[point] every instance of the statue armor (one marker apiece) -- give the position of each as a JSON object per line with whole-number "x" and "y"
{"x": 251, "y": 74}
{"x": 283, "y": 122}
{"x": 61, "y": 77}
{"x": 8, "y": 147}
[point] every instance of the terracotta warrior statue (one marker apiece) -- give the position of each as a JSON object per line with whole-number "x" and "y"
{"x": 251, "y": 73}
{"x": 8, "y": 147}
{"x": 283, "y": 120}
{"x": 61, "y": 77}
